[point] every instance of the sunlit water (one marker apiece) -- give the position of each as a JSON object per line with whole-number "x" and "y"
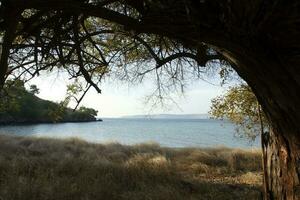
{"x": 166, "y": 132}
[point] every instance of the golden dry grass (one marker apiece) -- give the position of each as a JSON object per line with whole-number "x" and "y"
{"x": 46, "y": 169}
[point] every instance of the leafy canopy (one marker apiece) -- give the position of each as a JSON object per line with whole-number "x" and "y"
{"x": 94, "y": 39}
{"x": 240, "y": 106}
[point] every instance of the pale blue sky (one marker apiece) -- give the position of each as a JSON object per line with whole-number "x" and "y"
{"x": 119, "y": 99}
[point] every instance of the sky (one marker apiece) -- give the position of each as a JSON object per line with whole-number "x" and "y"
{"x": 120, "y": 99}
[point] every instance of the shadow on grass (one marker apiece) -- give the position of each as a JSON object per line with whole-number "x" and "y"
{"x": 32, "y": 168}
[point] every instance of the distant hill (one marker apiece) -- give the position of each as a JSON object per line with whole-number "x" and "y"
{"x": 169, "y": 116}
{"x": 18, "y": 105}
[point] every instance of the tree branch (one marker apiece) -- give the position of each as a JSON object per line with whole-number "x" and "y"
{"x": 84, "y": 72}
{"x": 9, "y": 36}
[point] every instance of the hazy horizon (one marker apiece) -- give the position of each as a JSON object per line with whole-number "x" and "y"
{"x": 122, "y": 99}
{"x": 168, "y": 115}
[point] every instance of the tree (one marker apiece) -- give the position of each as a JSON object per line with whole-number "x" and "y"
{"x": 240, "y": 106}
{"x": 18, "y": 105}
{"x": 88, "y": 111}
{"x": 34, "y": 89}
{"x": 95, "y": 38}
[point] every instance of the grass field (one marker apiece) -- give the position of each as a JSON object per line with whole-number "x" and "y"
{"x": 44, "y": 169}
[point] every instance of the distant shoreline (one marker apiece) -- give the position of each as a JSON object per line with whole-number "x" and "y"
{"x": 20, "y": 123}
{"x": 168, "y": 116}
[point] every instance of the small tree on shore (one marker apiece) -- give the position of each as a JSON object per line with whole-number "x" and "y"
{"x": 33, "y": 89}
{"x": 240, "y": 106}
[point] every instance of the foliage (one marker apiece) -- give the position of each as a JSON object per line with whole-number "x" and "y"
{"x": 90, "y": 47}
{"x": 88, "y": 111}
{"x": 34, "y": 89}
{"x": 18, "y": 105}
{"x": 240, "y": 106}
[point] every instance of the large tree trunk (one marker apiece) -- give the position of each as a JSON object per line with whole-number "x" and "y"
{"x": 282, "y": 169}
{"x": 280, "y": 99}
{"x": 279, "y": 94}
{"x": 277, "y": 88}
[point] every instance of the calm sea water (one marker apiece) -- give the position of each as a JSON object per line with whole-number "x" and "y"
{"x": 166, "y": 132}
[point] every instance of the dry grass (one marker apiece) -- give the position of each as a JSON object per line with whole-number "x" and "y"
{"x": 44, "y": 169}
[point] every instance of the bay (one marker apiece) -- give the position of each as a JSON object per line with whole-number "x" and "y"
{"x": 166, "y": 132}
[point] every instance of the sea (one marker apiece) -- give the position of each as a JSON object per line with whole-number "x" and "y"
{"x": 129, "y": 131}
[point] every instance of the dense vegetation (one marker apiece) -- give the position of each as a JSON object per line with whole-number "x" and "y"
{"x": 51, "y": 169}
{"x": 19, "y": 105}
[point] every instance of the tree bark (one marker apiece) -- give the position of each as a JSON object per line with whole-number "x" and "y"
{"x": 278, "y": 93}
{"x": 283, "y": 169}
{"x": 276, "y": 86}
